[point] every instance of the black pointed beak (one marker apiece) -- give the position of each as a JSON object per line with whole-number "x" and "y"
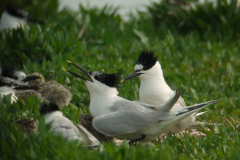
{"x": 27, "y": 87}
{"x": 132, "y": 75}
{"x": 32, "y": 20}
{"x": 77, "y": 75}
{"x": 31, "y": 78}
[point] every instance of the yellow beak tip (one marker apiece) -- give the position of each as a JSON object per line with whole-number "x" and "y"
{"x": 41, "y": 77}
{"x": 69, "y": 61}
{"x": 122, "y": 80}
{"x": 40, "y": 88}
{"x": 64, "y": 69}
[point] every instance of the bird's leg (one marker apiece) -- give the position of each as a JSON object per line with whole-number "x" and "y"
{"x": 134, "y": 142}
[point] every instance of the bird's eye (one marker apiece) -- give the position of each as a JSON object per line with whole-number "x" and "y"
{"x": 138, "y": 70}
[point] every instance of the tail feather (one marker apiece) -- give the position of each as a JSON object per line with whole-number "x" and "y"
{"x": 197, "y": 107}
{"x": 196, "y": 125}
{"x": 184, "y": 113}
{"x": 199, "y": 114}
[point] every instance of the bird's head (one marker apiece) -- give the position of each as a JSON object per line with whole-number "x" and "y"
{"x": 145, "y": 66}
{"x": 17, "y": 76}
{"x": 98, "y": 82}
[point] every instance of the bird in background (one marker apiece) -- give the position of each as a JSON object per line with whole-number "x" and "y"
{"x": 63, "y": 126}
{"x": 120, "y": 118}
{"x": 51, "y": 91}
{"x": 12, "y": 80}
{"x": 26, "y": 125}
{"x": 155, "y": 91}
{"x": 18, "y": 77}
{"x": 23, "y": 94}
{"x": 13, "y": 18}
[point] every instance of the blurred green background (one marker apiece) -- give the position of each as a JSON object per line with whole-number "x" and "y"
{"x": 198, "y": 49}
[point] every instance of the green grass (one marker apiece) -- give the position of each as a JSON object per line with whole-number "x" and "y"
{"x": 204, "y": 66}
{"x": 220, "y": 17}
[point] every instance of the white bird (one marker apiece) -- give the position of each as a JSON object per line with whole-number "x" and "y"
{"x": 7, "y": 86}
{"x": 63, "y": 126}
{"x": 13, "y": 17}
{"x": 18, "y": 77}
{"x": 155, "y": 91}
{"x": 12, "y": 80}
{"x": 124, "y": 119}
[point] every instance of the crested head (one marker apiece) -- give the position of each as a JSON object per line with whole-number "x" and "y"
{"x": 46, "y": 108}
{"x": 11, "y": 72}
{"x": 10, "y": 9}
{"x": 146, "y": 60}
{"x": 111, "y": 80}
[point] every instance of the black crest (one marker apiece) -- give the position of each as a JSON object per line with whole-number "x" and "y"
{"x": 147, "y": 59}
{"x": 111, "y": 80}
{"x": 15, "y": 11}
{"x": 48, "y": 108}
{"x": 8, "y": 71}
{"x": 21, "y": 14}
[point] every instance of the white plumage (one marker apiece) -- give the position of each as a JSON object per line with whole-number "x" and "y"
{"x": 155, "y": 91}
{"x": 63, "y": 126}
{"x": 124, "y": 119}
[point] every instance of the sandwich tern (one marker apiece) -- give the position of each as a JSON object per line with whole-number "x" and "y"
{"x": 12, "y": 80}
{"x": 13, "y": 17}
{"x": 155, "y": 91}
{"x": 120, "y": 118}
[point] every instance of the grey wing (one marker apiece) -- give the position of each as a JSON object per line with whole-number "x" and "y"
{"x": 87, "y": 137}
{"x": 131, "y": 119}
{"x": 153, "y": 107}
{"x": 168, "y": 105}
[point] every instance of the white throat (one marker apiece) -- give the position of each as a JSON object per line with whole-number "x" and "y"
{"x": 101, "y": 98}
{"x": 153, "y": 89}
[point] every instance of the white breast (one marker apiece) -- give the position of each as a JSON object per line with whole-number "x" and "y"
{"x": 8, "y": 21}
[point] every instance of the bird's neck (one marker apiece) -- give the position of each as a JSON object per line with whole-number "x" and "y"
{"x": 100, "y": 103}
{"x": 153, "y": 89}
{"x": 49, "y": 117}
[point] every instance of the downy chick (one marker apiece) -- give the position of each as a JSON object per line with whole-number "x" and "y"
{"x": 27, "y": 125}
{"x": 86, "y": 121}
{"x": 53, "y": 91}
